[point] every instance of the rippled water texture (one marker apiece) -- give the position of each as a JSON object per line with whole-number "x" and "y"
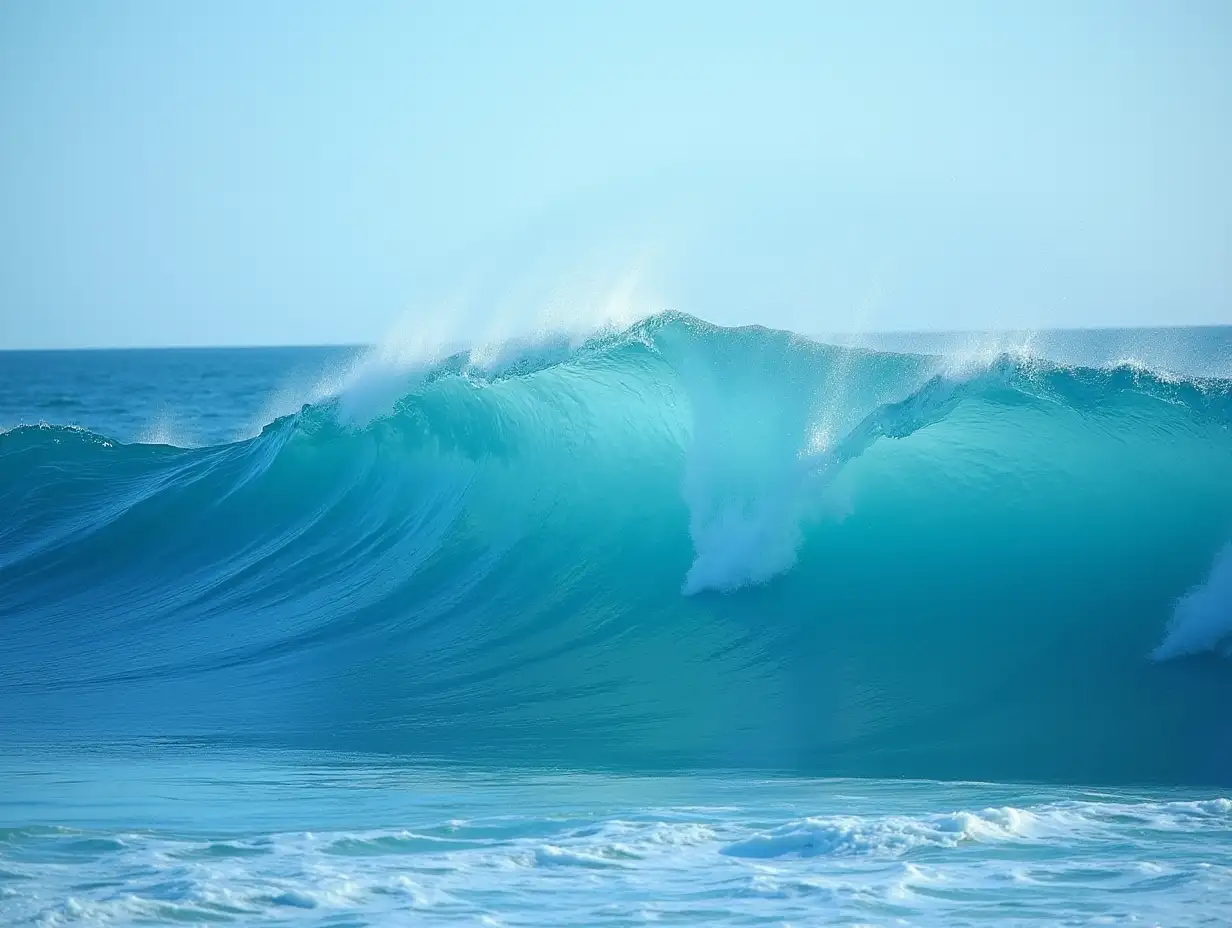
{"x": 353, "y": 842}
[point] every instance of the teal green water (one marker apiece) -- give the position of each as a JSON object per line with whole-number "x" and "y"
{"x": 706, "y": 562}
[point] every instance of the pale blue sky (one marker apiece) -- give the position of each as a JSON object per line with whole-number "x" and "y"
{"x": 287, "y": 172}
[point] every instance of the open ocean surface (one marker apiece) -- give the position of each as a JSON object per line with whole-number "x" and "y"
{"x": 674, "y": 625}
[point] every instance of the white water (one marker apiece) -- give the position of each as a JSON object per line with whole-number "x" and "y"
{"x": 351, "y": 843}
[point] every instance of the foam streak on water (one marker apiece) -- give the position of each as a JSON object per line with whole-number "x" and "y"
{"x": 348, "y": 841}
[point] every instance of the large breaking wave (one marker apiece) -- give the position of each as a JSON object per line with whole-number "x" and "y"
{"x": 679, "y": 546}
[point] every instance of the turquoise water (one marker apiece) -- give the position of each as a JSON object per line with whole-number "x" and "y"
{"x": 676, "y": 623}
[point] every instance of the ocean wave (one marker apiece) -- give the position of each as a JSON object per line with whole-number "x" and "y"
{"x": 676, "y": 545}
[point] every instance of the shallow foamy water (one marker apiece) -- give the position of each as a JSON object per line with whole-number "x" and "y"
{"x": 343, "y": 841}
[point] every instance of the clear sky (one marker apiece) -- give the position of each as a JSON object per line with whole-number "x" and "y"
{"x": 294, "y": 172}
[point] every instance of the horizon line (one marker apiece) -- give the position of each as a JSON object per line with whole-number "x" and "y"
{"x": 837, "y": 333}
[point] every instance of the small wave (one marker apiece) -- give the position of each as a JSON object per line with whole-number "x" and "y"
{"x": 894, "y": 835}
{"x": 1070, "y": 823}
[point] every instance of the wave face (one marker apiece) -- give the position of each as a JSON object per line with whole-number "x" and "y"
{"x": 677, "y": 547}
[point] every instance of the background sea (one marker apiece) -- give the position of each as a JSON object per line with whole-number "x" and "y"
{"x": 675, "y": 624}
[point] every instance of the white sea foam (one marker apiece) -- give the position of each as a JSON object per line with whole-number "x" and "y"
{"x": 847, "y": 836}
{"x": 1060, "y": 861}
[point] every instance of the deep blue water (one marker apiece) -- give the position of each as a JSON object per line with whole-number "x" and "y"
{"x": 678, "y": 623}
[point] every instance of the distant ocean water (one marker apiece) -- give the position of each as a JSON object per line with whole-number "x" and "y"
{"x": 676, "y": 624}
